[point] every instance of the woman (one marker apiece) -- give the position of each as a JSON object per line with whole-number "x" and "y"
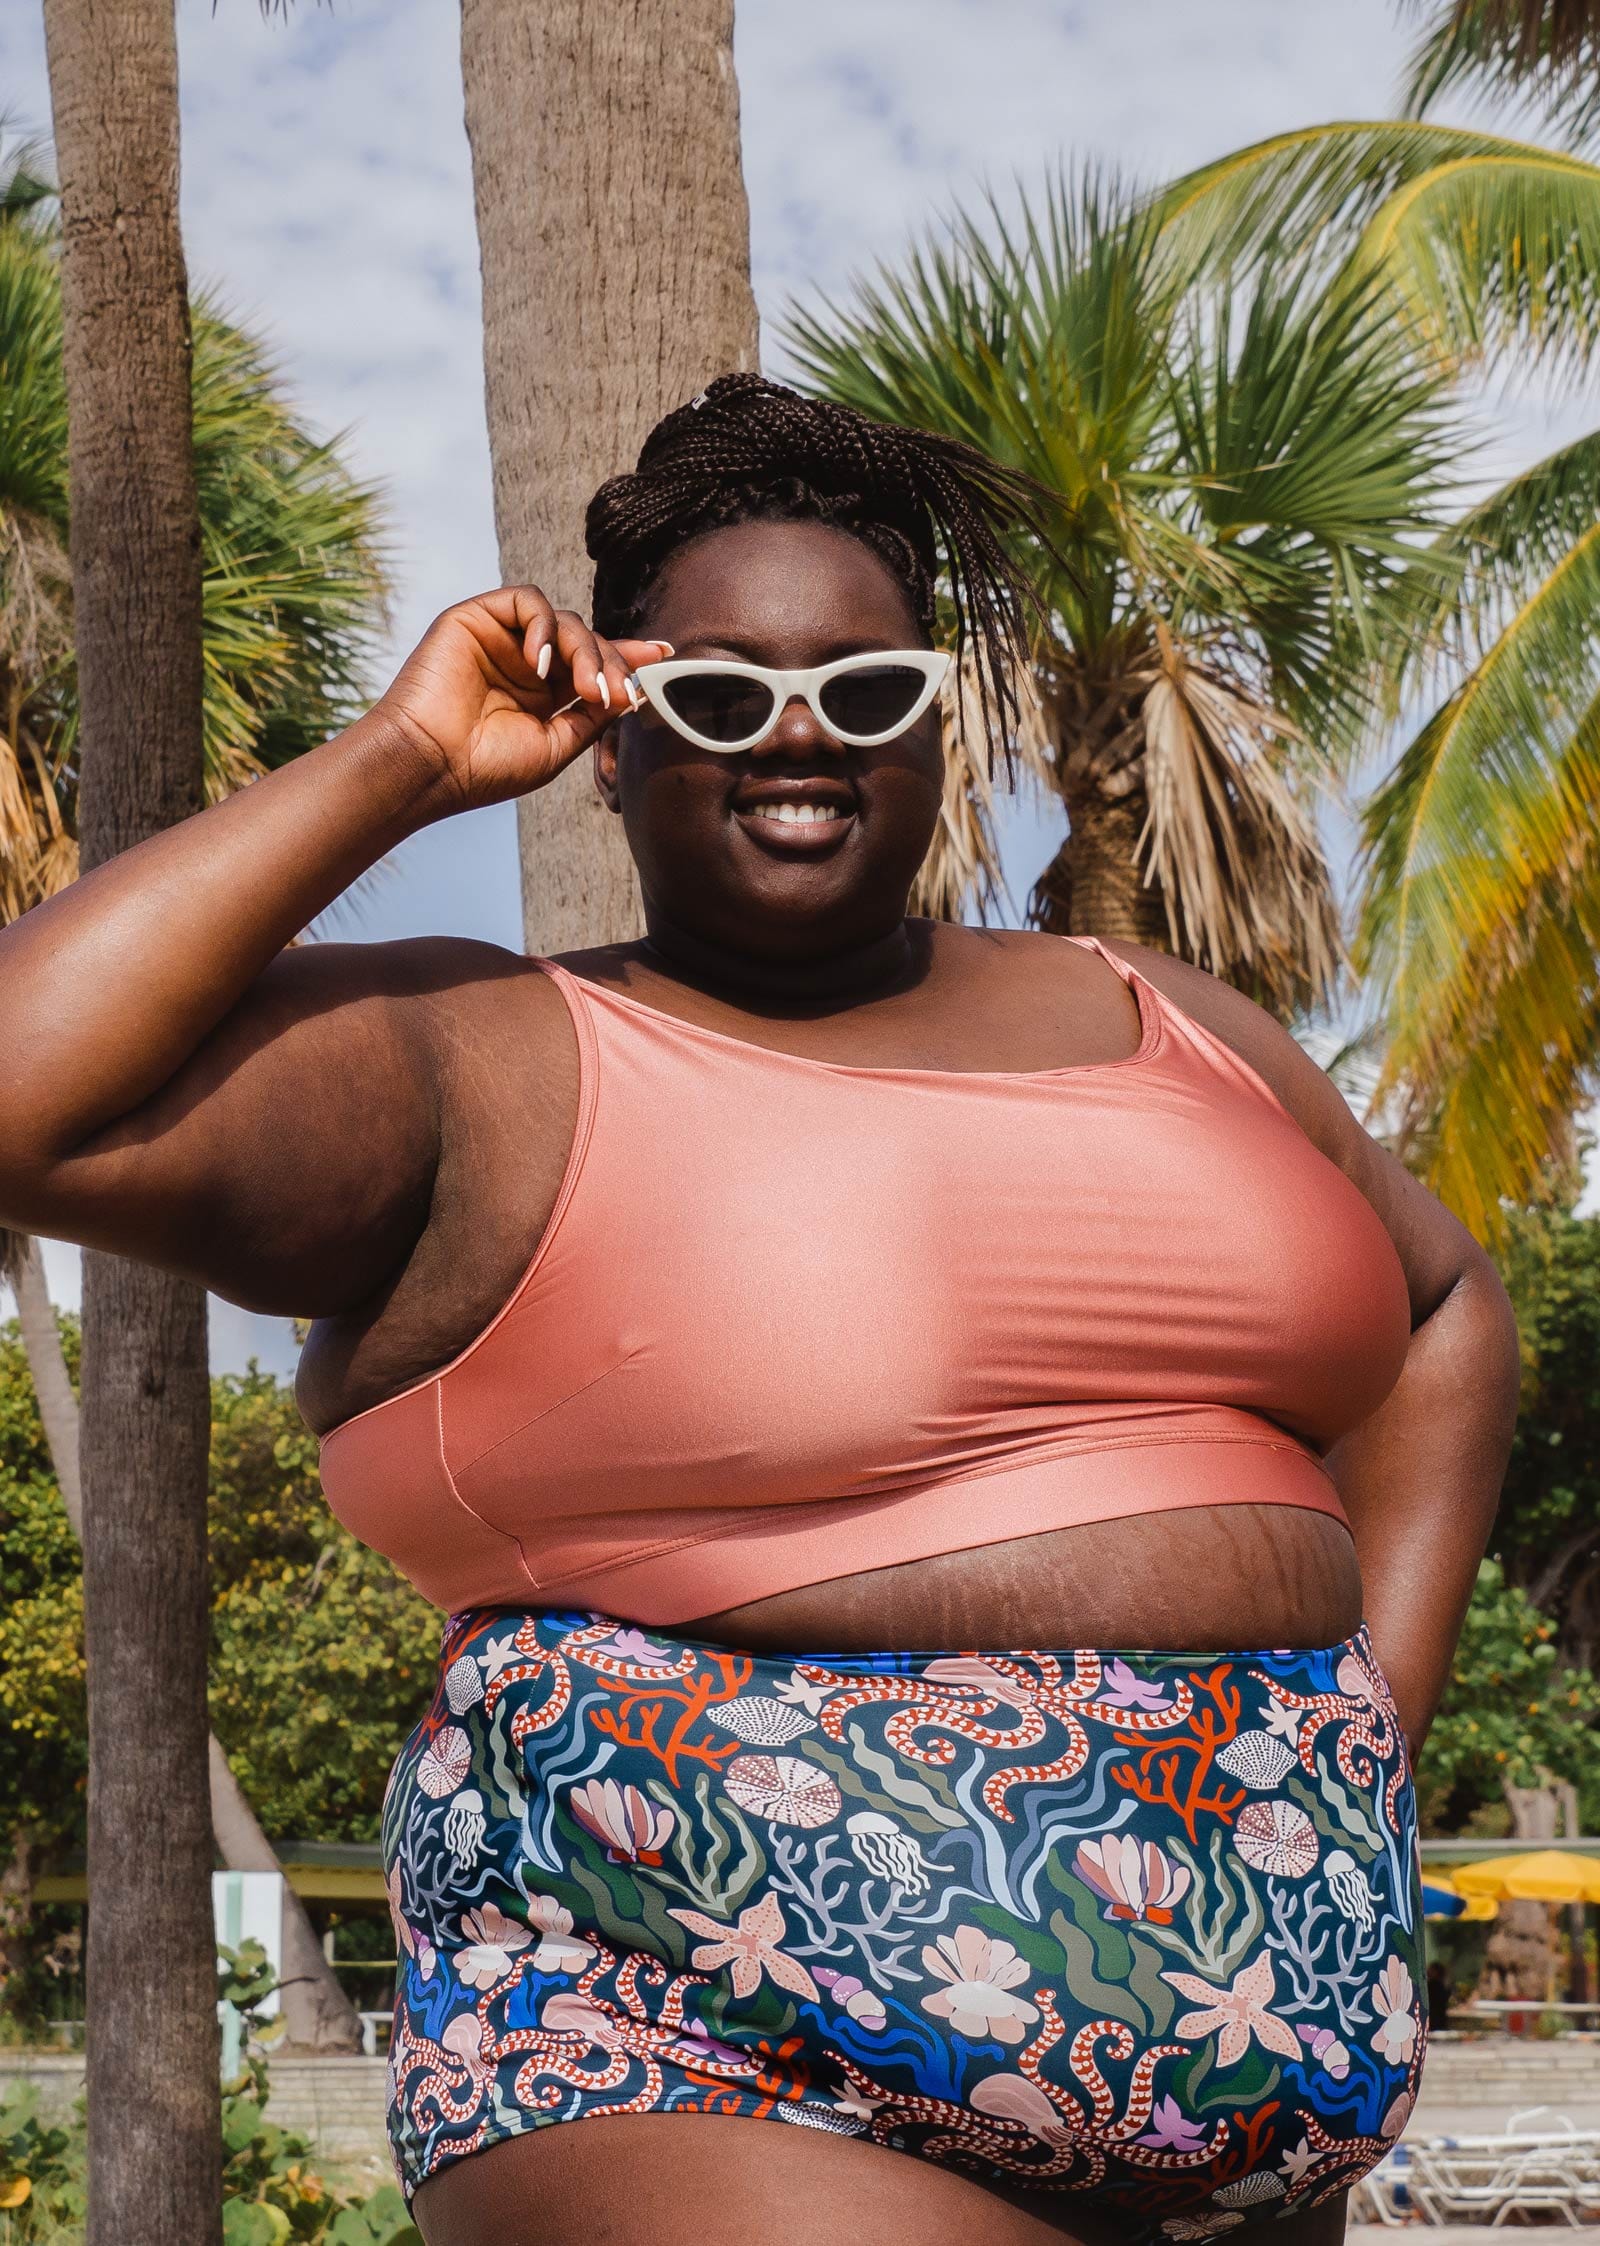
{"x": 900, "y": 1295}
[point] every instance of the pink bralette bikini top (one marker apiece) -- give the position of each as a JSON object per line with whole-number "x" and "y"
{"x": 791, "y": 1320}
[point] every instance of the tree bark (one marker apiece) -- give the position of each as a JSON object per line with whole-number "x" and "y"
{"x": 153, "y": 2054}
{"x": 614, "y": 237}
{"x": 317, "y": 2014}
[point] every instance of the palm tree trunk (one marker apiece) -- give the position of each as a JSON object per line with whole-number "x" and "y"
{"x": 614, "y": 237}
{"x": 1094, "y": 886}
{"x": 318, "y": 2016}
{"x": 153, "y": 2052}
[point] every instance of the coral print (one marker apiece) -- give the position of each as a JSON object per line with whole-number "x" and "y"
{"x": 1141, "y": 1927}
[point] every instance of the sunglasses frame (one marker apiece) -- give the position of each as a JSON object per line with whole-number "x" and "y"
{"x": 652, "y": 680}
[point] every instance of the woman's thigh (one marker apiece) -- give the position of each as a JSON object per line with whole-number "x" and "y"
{"x": 676, "y": 2180}
{"x": 668, "y": 2180}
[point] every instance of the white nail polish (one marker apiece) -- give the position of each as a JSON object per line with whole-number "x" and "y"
{"x": 543, "y": 664}
{"x": 605, "y": 692}
{"x": 633, "y": 695}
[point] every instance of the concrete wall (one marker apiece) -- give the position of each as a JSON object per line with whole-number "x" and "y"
{"x": 1472, "y": 2086}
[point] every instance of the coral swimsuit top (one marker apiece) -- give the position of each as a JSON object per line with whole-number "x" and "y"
{"x": 791, "y": 1320}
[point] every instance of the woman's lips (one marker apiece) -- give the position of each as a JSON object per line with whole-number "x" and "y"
{"x": 789, "y": 837}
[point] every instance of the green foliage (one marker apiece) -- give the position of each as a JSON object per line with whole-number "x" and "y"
{"x": 294, "y": 579}
{"x": 42, "y": 2199}
{"x": 1513, "y": 1710}
{"x": 321, "y": 1656}
{"x": 43, "y": 1760}
{"x": 271, "y": 2193}
{"x": 1480, "y": 919}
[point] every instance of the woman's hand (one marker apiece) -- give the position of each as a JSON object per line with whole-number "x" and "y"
{"x": 487, "y": 692}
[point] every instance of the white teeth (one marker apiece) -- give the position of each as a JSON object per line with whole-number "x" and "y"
{"x": 798, "y": 814}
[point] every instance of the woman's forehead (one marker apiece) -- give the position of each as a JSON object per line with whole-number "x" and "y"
{"x": 776, "y": 584}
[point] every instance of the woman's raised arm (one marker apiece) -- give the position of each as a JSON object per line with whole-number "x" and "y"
{"x": 176, "y": 1086}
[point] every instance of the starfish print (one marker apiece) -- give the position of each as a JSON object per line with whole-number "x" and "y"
{"x": 1282, "y": 1722}
{"x": 1297, "y": 2163}
{"x": 1235, "y": 2014}
{"x": 500, "y": 1655}
{"x": 751, "y": 1948}
{"x": 800, "y": 1693}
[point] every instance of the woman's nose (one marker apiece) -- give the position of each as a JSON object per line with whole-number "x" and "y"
{"x": 798, "y": 733}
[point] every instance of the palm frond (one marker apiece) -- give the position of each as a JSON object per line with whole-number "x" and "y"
{"x": 294, "y": 567}
{"x": 1503, "y": 49}
{"x": 962, "y": 873}
{"x": 1492, "y": 244}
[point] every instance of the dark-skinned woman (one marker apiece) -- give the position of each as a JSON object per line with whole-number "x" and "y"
{"x": 953, "y": 1467}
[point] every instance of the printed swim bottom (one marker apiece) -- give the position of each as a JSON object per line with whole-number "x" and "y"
{"x": 1140, "y": 1927}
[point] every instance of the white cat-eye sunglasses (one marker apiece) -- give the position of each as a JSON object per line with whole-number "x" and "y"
{"x": 863, "y": 700}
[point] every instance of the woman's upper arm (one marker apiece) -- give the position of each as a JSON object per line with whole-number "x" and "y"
{"x": 289, "y": 1163}
{"x": 1435, "y": 1248}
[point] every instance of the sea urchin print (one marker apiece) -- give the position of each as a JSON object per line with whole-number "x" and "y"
{"x": 783, "y": 1789}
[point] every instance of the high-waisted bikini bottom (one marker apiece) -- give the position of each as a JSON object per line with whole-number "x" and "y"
{"x": 1144, "y": 1927}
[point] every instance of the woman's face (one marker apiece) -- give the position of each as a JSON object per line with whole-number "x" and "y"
{"x": 791, "y": 595}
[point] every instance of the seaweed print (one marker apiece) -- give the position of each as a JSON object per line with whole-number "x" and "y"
{"x": 1142, "y": 1927}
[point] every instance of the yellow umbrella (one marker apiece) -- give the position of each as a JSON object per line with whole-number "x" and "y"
{"x": 1544, "y": 1875}
{"x": 1440, "y": 1884}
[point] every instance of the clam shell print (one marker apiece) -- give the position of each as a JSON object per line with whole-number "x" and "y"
{"x": 762, "y": 1721}
{"x": 1257, "y": 1758}
{"x": 782, "y": 1789}
{"x": 463, "y": 1685}
{"x": 1276, "y": 1837}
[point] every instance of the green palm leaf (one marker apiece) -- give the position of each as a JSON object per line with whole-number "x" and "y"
{"x": 1245, "y": 472}
{"x": 294, "y": 585}
{"x": 1492, "y": 244}
{"x": 1503, "y": 49}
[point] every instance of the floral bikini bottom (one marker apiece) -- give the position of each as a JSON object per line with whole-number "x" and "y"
{"x": 1140, "y": 1927}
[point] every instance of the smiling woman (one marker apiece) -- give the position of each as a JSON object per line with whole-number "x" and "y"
{"x": 865, "y": 1392}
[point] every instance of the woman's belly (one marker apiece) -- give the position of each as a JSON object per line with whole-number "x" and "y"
{"x": 1207, "y": 1578}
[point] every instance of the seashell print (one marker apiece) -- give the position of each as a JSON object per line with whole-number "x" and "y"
{"x": 634, "y": 1829}
{"x": 1257, "y": 1758}
{"x": 761, "y": 1721}
{"x": 782, "y": 1789}
{"x": 1012, "y": 2097}
{"x": 446, "y": 1763}
{"x": 1276, "y": 1837}
{"x": 818, "y": 2117}
{"x": 463, "y": 1685}
{"x": 1250, "y": 2191}
{"x": 1134, "y": 1879}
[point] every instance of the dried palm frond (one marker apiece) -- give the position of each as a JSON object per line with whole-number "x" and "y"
{"x": 962, "y": 872}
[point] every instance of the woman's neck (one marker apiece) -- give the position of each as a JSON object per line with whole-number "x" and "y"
{"x": 872, "y": 970}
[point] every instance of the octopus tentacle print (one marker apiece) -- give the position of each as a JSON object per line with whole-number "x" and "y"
{"x": 835, "y": 1891}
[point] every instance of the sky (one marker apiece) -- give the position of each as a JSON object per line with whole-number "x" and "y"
{"x": 327, "y": 203}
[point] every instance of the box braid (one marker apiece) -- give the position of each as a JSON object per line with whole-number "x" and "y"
{"x": 749, "y": 450}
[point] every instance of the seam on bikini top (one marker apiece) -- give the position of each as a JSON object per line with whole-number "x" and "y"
{"x": 507, "y": 1536}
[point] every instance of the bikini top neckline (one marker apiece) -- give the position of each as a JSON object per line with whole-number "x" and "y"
{"x": 1146, "y": 999}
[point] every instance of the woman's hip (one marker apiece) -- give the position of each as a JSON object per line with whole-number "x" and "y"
{"x": 1145, "y": 1926}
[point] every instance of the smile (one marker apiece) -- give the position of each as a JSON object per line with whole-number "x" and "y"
{"x": 798, "y": 814}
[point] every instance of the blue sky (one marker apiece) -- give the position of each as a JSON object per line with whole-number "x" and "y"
{"x": 327, "y": 201}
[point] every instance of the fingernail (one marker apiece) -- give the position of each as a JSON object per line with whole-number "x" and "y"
{"x": 543, "y": 664}
{"x": 666, "y": 647}
{"x": 633, "y": 695}
{"x": 605, "y": 691}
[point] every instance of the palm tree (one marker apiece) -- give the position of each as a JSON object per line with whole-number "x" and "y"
{"x": 154, "y": 2166}
{"x": 615, "y": 241}
{"x": 1480, "y": 914}
{"x": 1498, "y": 46}
{"x": 1242, "y": 474}
{"x": 292, "y": 591}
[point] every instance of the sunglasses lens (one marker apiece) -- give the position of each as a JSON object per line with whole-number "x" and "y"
{"x": 721, "y": 708}
{"x": 872, "y": 700}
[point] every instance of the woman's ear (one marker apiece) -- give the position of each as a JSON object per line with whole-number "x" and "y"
{"x": 604, "y": 753}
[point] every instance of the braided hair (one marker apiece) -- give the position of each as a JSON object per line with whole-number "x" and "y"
{"x": 750, "y": 450}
